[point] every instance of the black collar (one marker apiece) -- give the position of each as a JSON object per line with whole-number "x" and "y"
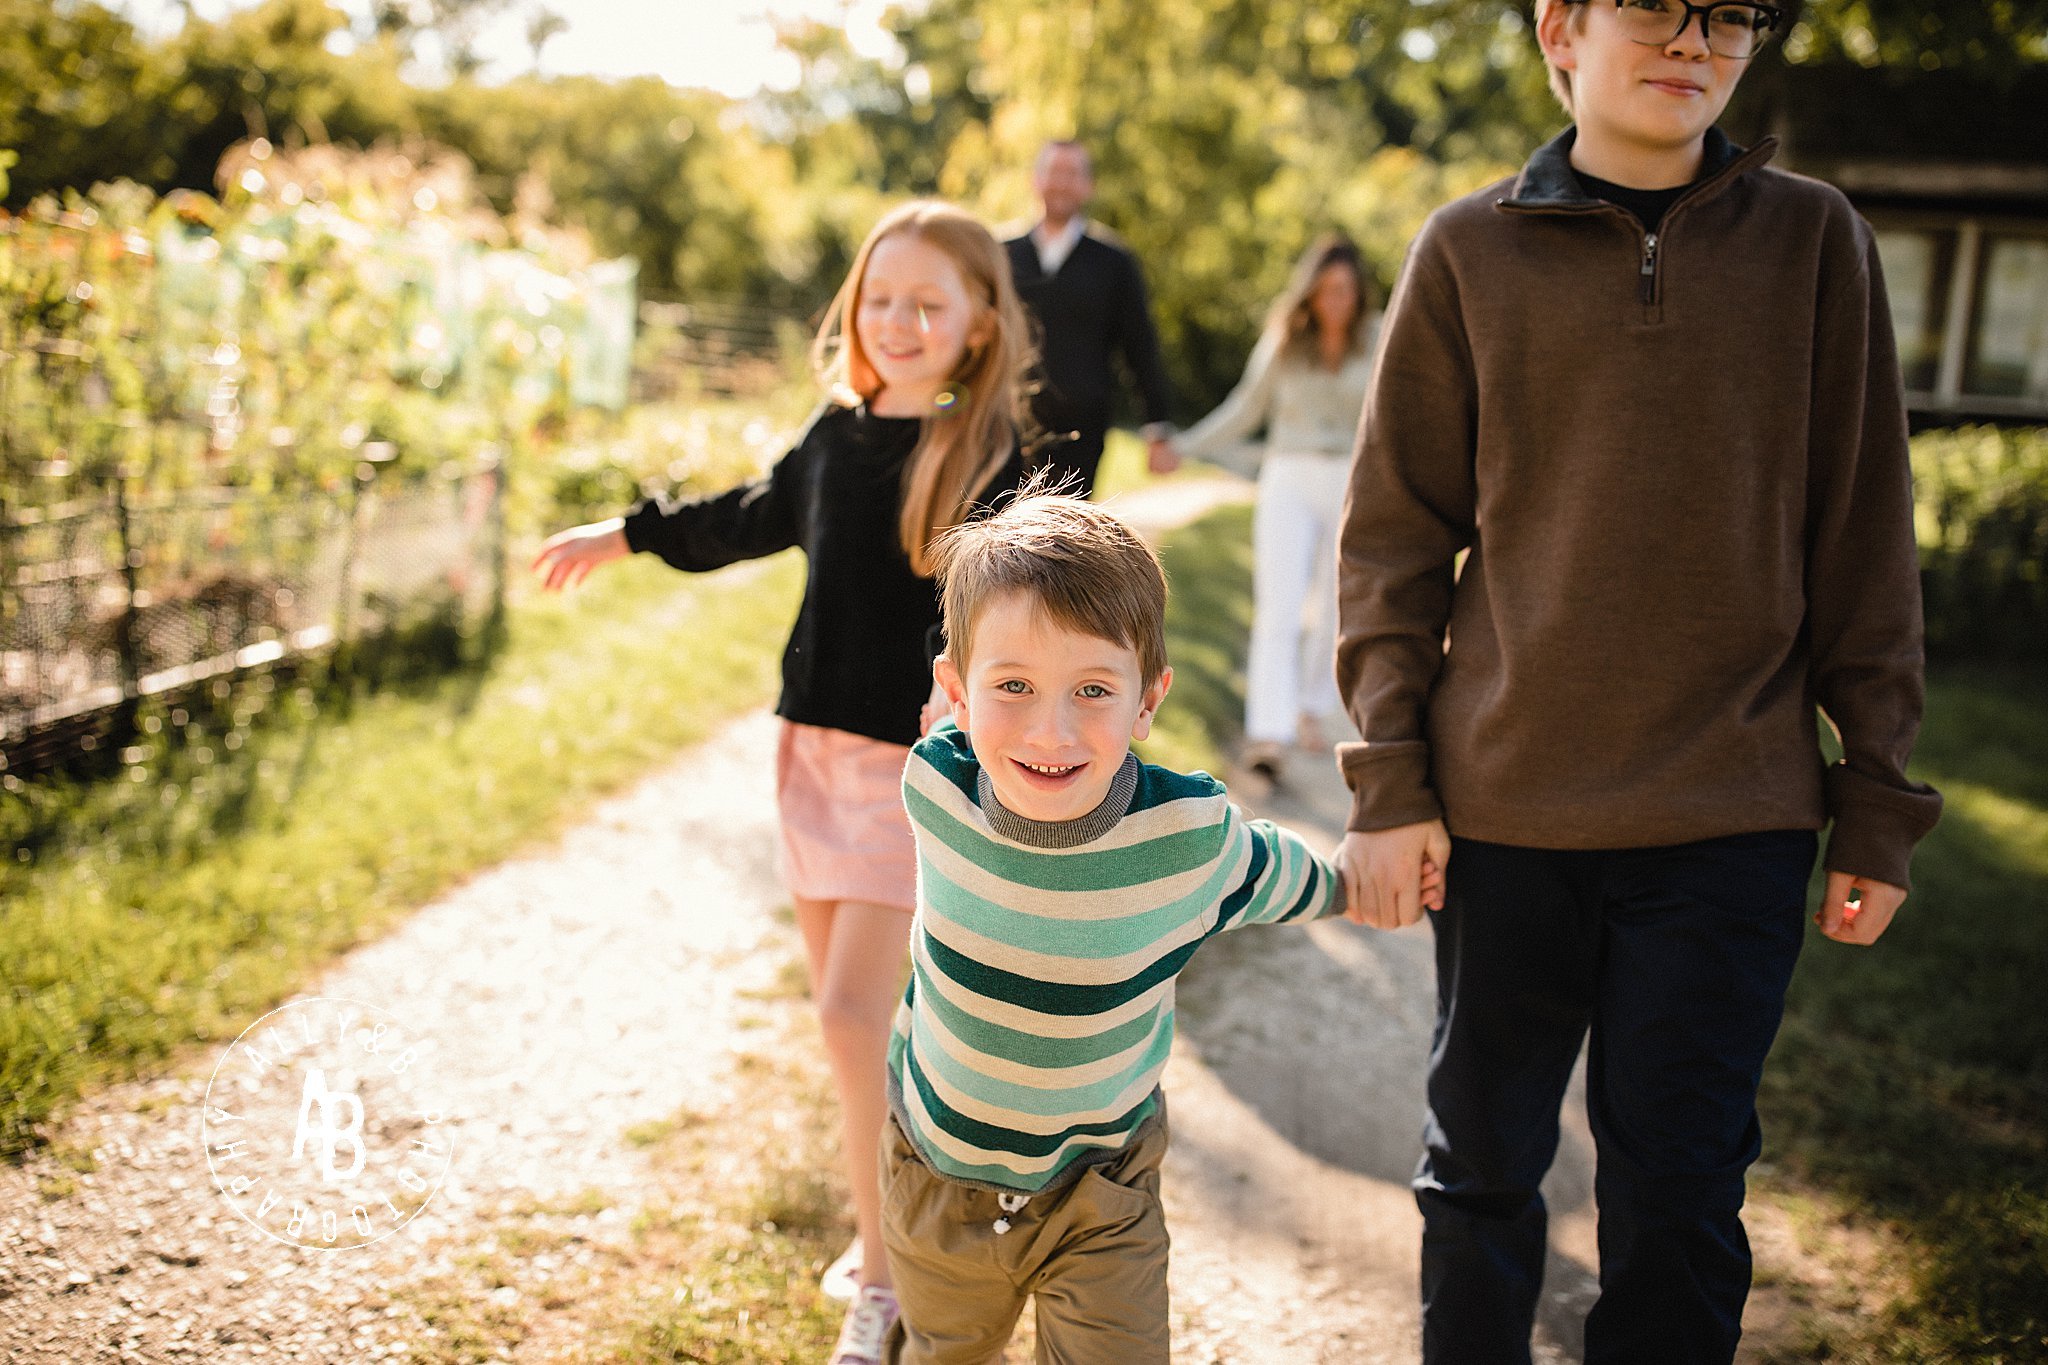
{"x": 1548, "y": 184}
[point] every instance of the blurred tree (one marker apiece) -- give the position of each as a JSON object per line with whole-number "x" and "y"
{"x": 269, "y": 70}
{"x": 441, "y": 32}
{"x": 542, "y": 27}
{"x": 650, "y": 171}
{"x": 78, "y": 91}
{"x": 1225, "y": 135}
{"x": 1996, "y": 40}
{"x": 1226, "y": 132}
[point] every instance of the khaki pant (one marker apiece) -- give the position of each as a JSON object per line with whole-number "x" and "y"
{"x": 1093, "y": 1254}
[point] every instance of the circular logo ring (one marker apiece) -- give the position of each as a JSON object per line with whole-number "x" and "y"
{"x": 321, "y": 1126}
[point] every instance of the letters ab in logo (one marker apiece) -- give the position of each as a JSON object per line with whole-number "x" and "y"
{"x": 322, "y": 1127}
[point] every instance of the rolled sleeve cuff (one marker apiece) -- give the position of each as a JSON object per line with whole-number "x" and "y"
{"x": 1389, "y": 781}
{"x": 1876, "y": 824}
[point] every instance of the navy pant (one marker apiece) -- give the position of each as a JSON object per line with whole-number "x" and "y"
{"x": 1677, "y": 960}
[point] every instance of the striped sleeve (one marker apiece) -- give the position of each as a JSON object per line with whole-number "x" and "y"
{"x": 1284, "y": 879}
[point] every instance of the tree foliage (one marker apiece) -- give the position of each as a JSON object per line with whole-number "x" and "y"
{"x": 1226, "y": 133}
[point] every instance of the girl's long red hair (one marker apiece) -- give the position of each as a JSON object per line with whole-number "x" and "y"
{"x": 959, "y": 450}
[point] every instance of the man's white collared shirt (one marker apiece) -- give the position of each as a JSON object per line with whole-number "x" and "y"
{"x": 1054, "y": 248}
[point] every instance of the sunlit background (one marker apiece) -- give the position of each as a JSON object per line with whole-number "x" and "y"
{"x": 723, "y": 45}
{"x": 316, "y": 317}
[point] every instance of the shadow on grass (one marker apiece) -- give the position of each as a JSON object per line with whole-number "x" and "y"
{"x": 227, "y": 730}
{"x": 1910, "y": 1082}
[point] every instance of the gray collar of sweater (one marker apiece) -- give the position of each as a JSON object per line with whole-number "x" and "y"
{"x": 1082, "y": 829}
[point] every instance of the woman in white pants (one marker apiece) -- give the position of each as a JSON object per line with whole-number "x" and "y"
{"x": 1305, "y": 385}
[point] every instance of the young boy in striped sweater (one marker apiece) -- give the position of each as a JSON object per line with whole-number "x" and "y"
{"x": 1062, "y": 886}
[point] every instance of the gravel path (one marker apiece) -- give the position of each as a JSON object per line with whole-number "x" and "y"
{"x": 567, "y": 995}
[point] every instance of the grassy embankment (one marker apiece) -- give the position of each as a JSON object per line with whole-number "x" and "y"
{"x": 251, "y": 838}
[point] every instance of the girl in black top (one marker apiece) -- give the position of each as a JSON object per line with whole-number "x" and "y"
{"x": 922, "y": 354}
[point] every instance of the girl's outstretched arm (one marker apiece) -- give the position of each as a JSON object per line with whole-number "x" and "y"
{"x": 751, "y": 521}
{"x": 567, "y": 557}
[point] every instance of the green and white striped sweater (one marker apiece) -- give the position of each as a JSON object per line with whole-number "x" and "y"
{"x": 1039, "y": 1013}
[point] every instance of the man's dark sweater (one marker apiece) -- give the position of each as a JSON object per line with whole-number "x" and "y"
{"x": 859, "y": 657}
{"x": 1092, "y": 307}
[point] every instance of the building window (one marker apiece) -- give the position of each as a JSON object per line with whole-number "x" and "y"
{"x": 1918, "y": 267}
{"x": 2008, "y": 355}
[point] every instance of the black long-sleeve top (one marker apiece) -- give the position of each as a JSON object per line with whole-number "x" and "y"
{"x": 1092, "y": 308}
{"x": 859, "y": 656}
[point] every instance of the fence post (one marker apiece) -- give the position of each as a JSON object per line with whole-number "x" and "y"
{"x": 125, "y": 652}
{"x": 494, "y": 621}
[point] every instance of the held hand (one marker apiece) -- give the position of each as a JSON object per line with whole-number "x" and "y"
{"x": 1161, "y": 457}
{"x": 567, "y": 557}
{"x": 1857, "y": 909}
{"x": 1392, "y": 875}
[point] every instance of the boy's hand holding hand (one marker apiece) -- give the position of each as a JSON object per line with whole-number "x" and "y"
{"x": 1161, "y": 457}
{"x": 1860, "y": 920}
{"x": 1392, "y": 875}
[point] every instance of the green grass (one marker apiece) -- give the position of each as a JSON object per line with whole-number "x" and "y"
{"x": 244, "y": 847}
{"x": 1208, "y": 615}
{"x": 1208, "y": 620}
{"x": 727, "y": 1256}
{"x": 1123, "y": 467}
{"x": 1909, "y": 1088}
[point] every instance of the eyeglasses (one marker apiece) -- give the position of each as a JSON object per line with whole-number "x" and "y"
{"x": 1734, "y": 30}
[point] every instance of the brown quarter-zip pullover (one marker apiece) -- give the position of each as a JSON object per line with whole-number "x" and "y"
{"x": 1678, "y": 463}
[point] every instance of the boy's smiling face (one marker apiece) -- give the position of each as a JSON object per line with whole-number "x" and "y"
{"x": 1050, "y": 711}
{"x": 1641, "y": 100}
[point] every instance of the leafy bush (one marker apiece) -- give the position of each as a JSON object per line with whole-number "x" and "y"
{"x": 691, "y": 445}
{"x": 1981, "y": 497}
{"x": 329, "y": 303}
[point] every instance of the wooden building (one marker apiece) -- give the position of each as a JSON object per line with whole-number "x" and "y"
{"x": 1952, "y": 171}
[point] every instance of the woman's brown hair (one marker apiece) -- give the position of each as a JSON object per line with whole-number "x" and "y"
{"x": 962, "y": 448}
{"x": 1293, "y": 318}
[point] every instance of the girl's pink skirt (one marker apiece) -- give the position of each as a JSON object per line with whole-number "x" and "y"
{"x": 845, "y": 836}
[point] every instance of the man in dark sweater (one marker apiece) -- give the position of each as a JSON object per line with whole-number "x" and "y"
{"x": 1088, "y": 294}
{"x": 1647, "y": 388}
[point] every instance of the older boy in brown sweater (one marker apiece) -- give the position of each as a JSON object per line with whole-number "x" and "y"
{"x": 1648, "y": 386}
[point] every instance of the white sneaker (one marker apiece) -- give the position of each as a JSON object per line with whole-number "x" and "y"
{"x": 842, "y": 1277}
{"x": 864, "y": 1336}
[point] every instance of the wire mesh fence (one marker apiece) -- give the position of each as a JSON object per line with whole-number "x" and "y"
{"x": 717, "y": 346}
{"x": 108, "y": 602}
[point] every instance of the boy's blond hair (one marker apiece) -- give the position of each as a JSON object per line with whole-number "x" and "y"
{"x": 1086, "y": 570}
{"x": 1560, "y": 81}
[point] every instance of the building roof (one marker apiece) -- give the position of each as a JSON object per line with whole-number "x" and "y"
{"x": 1946, "y": 134}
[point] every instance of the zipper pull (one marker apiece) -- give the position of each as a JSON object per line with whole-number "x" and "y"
{"x": 1649, "y": 271}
